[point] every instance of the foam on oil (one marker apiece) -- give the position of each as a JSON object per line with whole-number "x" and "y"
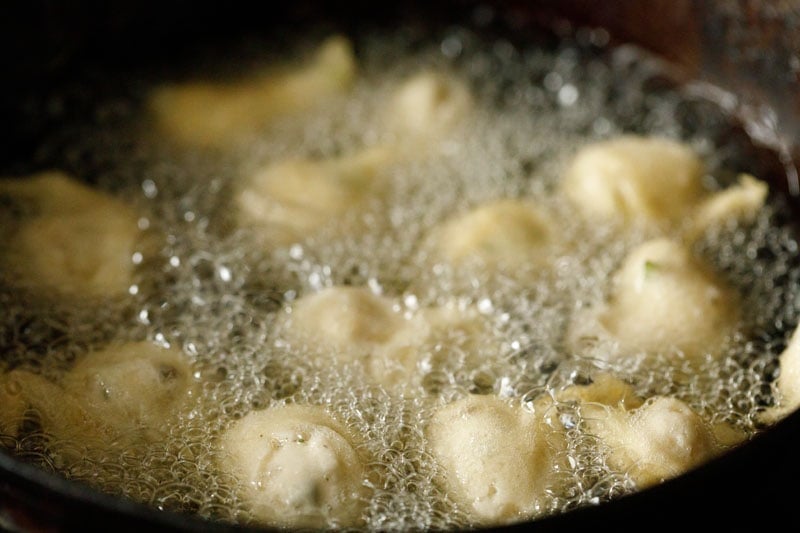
{"x": 209, "y": 290}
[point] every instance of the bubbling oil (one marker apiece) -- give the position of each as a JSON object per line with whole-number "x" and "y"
{"x": 211, "y": 291}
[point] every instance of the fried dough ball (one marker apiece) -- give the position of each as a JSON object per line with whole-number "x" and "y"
{"x": 14, "y": 403}
{"x": 24, "y": 394}
{"x": 788, "y": 382}
{"x": 652, "y": 440}
{"x": 501, "y": 233}
{"x": 348, "y": 319}
{"x": 123, "y": 392}
{"x": 133, "y": 386}
{"x": 438, "y": 338}
{"x": 496, "y": 459}
{"x": 789, "y": 378}
{"x": 213, "y": 114}
{"x": 297, "y": 467}
{"x": 740, "y": 202}
{"x": 354, "y": 324}
{"x": 662, "y": 298}
{"x": 646, "y": 179}
{"x": 290, "y": 200}
{"x": 604, "y": 389}
{"x": 426, "y": 106}
{"x": 71, "y": 238}
{"x": 656, "y": 181}
{"x": 660, "y": 440}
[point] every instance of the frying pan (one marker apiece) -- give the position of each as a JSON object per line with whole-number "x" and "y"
{"x": 746, "y": 54}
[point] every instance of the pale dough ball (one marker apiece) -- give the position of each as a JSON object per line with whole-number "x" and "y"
{"x": 740, "y": 202}
{"x": 54, "y": 193}
{"x": 788, "y": 382}
{"x": 14, "y": 403}
{"x": 647, "y": 179}
{"x": 447, "y": 337}
{"x": 506, "y": 233}
{"x": 214, "y": 114}
{"x": 789, "y": 378}
{"x": 427, "y": 105}
{"x": 605, "y": 389}
{"x": 662, "y": 439}
{"x": 133, "y": 386}
{"x": 73, "y": 239}
{"x": 297, "y": 467}
{"x": 653, "y": 440}
{"x": 497, "y": 459}
{"x": 129, "y": 390}
{"x": 663, "y": 299}
{"x": 24, "y": 394}
{"x": 293, "y": 199}
{"x": 352, "y": 320}
{"x": 354, "y": 324}
{"x": 89, "y": 252}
